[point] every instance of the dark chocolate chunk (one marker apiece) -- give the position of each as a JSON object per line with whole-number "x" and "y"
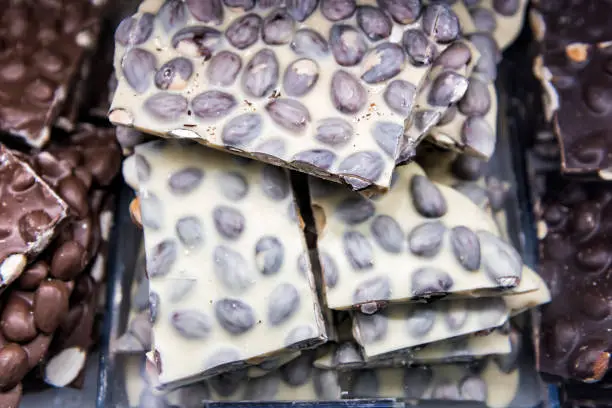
{"x": 575, "y": 260}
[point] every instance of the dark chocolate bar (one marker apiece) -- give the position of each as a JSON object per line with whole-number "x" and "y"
{"x": 575, "y": 256}
{"x": 578, "y": 83}
{"x": 43, "y": 45}
{"x": 558, "y": 23}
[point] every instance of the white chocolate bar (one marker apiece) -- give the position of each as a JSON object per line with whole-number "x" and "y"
{"x": 367, "y": 259}
{"x": 451, "y": 382}
{"x": 347, "y": 356}
{"x": 505, "y": 28}
{"x": 222, "y": 244}
{"x": 248, "y": 107}
{"x": 399, "y": 327}
{"x": 453, "y": 132}
{"x": 427, "y": 112}
{"x": 297, "y": 382}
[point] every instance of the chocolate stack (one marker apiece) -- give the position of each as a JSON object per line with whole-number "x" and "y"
{"x": 321, "y": 180}
{"x": 573, "y": 66}
{"x": 56, "y": 182}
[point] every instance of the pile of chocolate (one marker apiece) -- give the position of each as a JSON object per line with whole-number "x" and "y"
{"x": 312, "y": 181}
{"x": 572, "y": 170}
{"x": 57, "y": 189}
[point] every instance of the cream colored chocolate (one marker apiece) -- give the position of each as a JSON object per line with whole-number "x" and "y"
{"x": 272, "y": 364}
{"x": 346, "y": 355}
{"x": 368, "y": 260}
{"x": 453, "y": 382}
{"x": 429, "y": 109}
{"x": 453, "y": 133}
{"x": 292, "y": 382}
{"x": 504, "y": 25}
{"x": 222, "y": 245}
{"x": 270, "y": 101}
{"x": 399, "y": 327}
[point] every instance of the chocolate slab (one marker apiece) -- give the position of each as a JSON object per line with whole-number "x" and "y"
{"x": 503, "y": 19}
{"x": 557, "y": 23}
{"x": 30, "y": 216}
{"x": 43, "y": 46}
{"x": 226, "y": 258}
{"x": 314, "y": 93}
{"x": 577, "y": 82}
{"x": 575, "y": 257}
{"x": 363, "y": 242}
{"x": 43, "y": 303}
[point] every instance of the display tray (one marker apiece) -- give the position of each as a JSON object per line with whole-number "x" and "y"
{"x": 507, "y": 165}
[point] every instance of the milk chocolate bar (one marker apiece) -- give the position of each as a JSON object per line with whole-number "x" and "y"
{"x": 574, "y": 333}
{"x": 503, "y": 19}
{"x": 43, "y": 302}
{"x": 452, "y": 248}
{"x": 291, "y": 86}
{"x": 31, "y": 215}
{"x": 574, "y": 78}
{"x": 222, "y": 282}
{"x": 45, "y": 43}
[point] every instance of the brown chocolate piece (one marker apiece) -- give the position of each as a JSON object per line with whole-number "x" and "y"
{"x": 80, "y": 167}
{"x": 575, "y": 259}
{"x": 569, "y": 21}
{"x": 582, "y": 82}
{"x": 43, "y": 45}
{"x": 12, "y": 397}
{"x": 30, "y": 215}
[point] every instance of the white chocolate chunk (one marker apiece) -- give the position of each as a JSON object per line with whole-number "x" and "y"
{"x": 451, "y": 135}
{"x": 506, "y": 28}
{"x": 363, "y": 243}
{"x": 399, "y": 327}
{"x": 207, "y": 218}
{"x": 346, "y": 356}
{"x": 452, "y": 382}
{"x": 279, "y": 130}
{"x": 426, "y": 115}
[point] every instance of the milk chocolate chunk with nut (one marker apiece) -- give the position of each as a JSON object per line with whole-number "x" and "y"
{"x": 308, "y": 84}
{"x": 45, "y": 45}
{"x": 200, "y": 233}
{"x": 419, "y": 228}
{"x": 31, "y": 215}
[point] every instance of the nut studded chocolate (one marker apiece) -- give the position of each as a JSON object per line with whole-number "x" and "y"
{"x": 41, "y": 306}
{"x": 31, "y": 215}
{"x": 558, "y": 23}
{"x": 503, "y": 19}
{"x": 223, "y": 247}
{"x": 347, "y": 356}
{"x": 322, "y": 89}
{"x": 420, "y": 240}
{"x": 43, "y": 46}
{"x": 470, "y": 125}
{"x": 297, "y": 381}
{"x": 574, "y": 260}
{"x": 576, "y": 80}
{"x": 451, "y": 382}
{"x": 399, "y": 327}
{"x": 443, "y": 87}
